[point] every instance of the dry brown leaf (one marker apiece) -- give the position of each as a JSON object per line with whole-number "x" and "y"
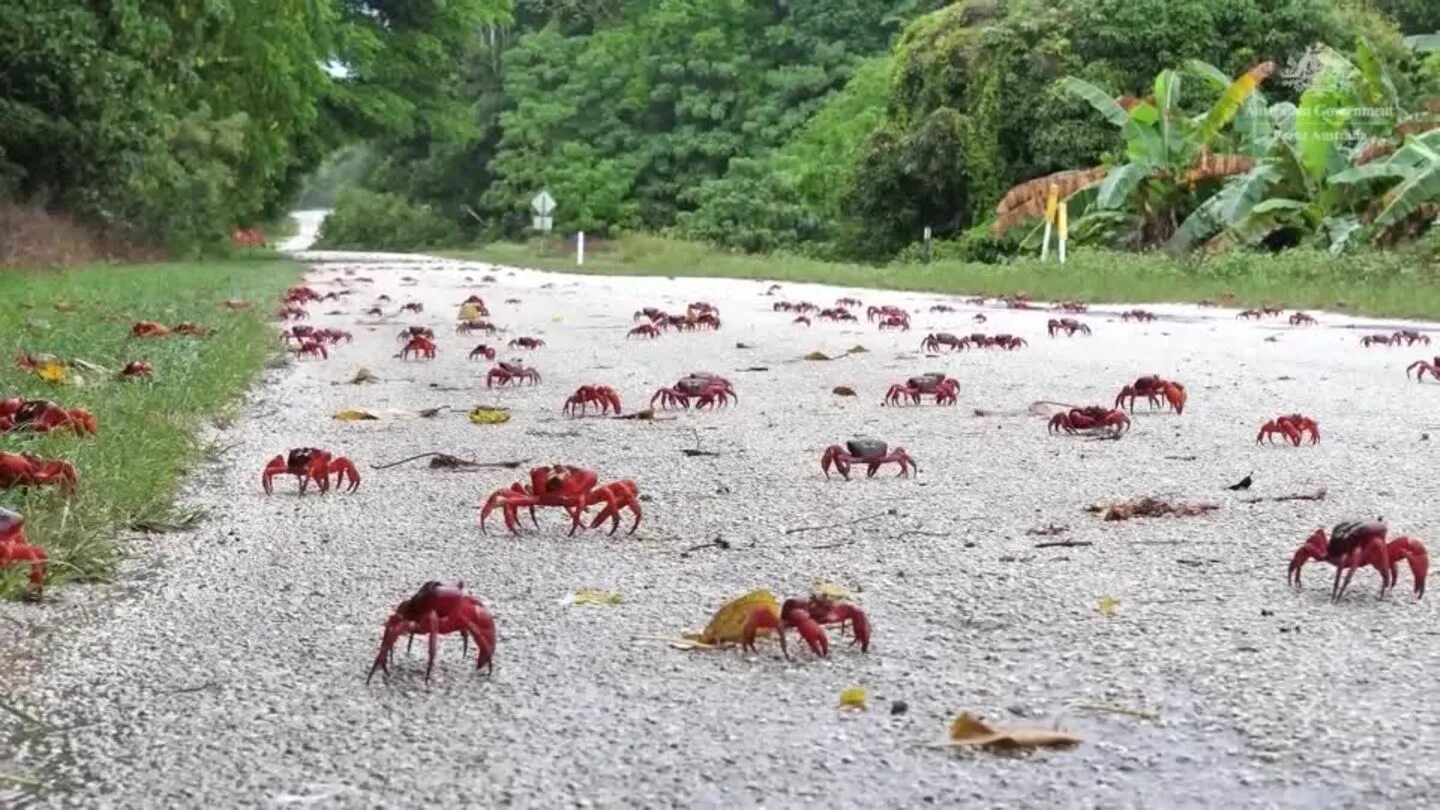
{"x": 969, "y": 730}
{"x": 353, "y": 415}
{"x": 818, "y": 356}
{"x": 843, "y": 391}
{"x": 1149, "y": 507}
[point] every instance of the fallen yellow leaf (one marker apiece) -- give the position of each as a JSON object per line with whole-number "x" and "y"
{"x": 595, "y": 596}
{"x": 1107, "y": 606}
{"x": 489, "y": 415}
{"x": 830, "y": 590}
{"x": 969, "y": 730}
{"x": 727, "y": 626}
{"x": 854, "y": 697}
{"x": 818, "y": 356}
{"x": 352, "y": 415}
{"x": 52, "y": 371}
{"x": 857, "y": 349}
{"x": 469, "y": 312}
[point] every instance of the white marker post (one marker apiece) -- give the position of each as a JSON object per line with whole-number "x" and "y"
{"x": 580, "y": 248}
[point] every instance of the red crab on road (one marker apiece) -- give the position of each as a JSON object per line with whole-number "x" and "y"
{"x": 438, "y": 610}
{"x": 1072, "y": 306}
{"x": 644, "y": 330}
{"x": 849, "y": 302}
{"x": 1137, "y": 315}
{"x": 293, "y": 312}
{"x": 808, "y": 617}
{"x": 420, "y": 346}
{"x": 1093, "y": 417}
{"x": 705, "y": 321}
{"x": 1017, "y": 302}
{"x": 334, "y": 336}
{"x": 871, "y": 452}
{"x": 1423, "y": 367}
{"x": 298, "y": 333}
{"x": 934, "y": 342}
{"x": 945, "y": 389}
{"x": 1008, "y": 342}
{"x": 526, "y": 343}
{"x": 1302, "y": 319}
{"x": 467, "y": 327}
{"x": 801, "y": 320}
{"x": 302, "y": 294}
{"x": 413, "y": 306}
{"x": 886, "y": 312}
{"x": 312, "y": 348}
{"x": 836, "y": 314}
{"x": 1410, "y": 337}
{"x": 942, "y": 308}
{"x": 505, "y": 373}
{"x": 895, "y": 322}
{"x": 1358, "y": 544}
{"x": 16, "y": 550}
{"x": 698, "y": 308}
{"x": 1251, "y": 314}
{"x": 1068, "y": 325}
{"x": 1271, "y": 310}
{"x": 1292, "y": 426}
{"x": 571, "y": 488}
{"x": 44, "y": 416}
{"x": 311, "y": 464}
{"x": 482, "y": 351}
{"x": 656, "y": 313}
{"x": 27, "y": 470}
{"x": 1378, "y": 340}
{"x": 1152, "y": 388}
{"x": 604, "y": 397}
{"x": 136, "y": 369}
{"x": 710, "y": 390}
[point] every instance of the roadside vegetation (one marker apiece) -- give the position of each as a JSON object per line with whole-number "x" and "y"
{"x": 1396, "y": 284}
{"x": 146, "y": 439}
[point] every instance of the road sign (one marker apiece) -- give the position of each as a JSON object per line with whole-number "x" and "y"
{"x": 543, "y": 204}
{"x": 543, "y": 224}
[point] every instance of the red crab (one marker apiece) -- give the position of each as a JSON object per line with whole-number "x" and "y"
{"x": 482, "y": 351}
{"x": 704, "y": 321}
{"x": 808, "y": 617}
{"x": 1251, "y": 314}
{"x": 136, "y": 369}
{"x": 1137, "y": 315}
{"x": 707, "y": 388}
{"x": 934, "y": 342}
{"x": 526, "y": 343}
{"x": 644, "y": 330}
{"x": 293, "y": 312}
{"x": 805, "y": 307}
{"x": 849, "y": 302}
{"x": 871, "y": 452}
{"x": 477, "y": 302}
{"x": 778, "y": 306}
{"x": 467, "y": 327}
{"x": 421, "y": 347}
{"x": 312, "y": 348}
{"x": 438, "y": 610}
{"x": 301, "y": 294}
{"x": 506, "y": 373}
{"x": 1422, "y": 367}
{"x": 415, "y": 331}
{"x": 697, "y": 308}
{"x": 298, "y": 333}
{"x": 895, "y": 322}
{"x": 1068, "y": 325}
{"x": 149, "y": 329}
{"x": 413, "y": 306}
{"x": 571, "y": 488}
{"x": 801, "y": 320}
{"x": 945, "y": 389}
{"x": 1153, "y": 388}
{"x": 650, "y": 314}
{"x": 1269, "y": 310}
{"x": 311, "y": 464}
{"x": 1094, "y": 417}
{"x": 1292, "y": 426}
{"x": 1072, "y": 306}
{"x": 375, "y": 311}
{"x": 1017, "y": 302}
{"x": 1302, "y": 319}
{"x": 334, "y": 336}
{"x": 1354, "y": 545}
{"x": 942, "y": 308}
{"x": 836, "y": 314}
{"x": 1008, "y": 342}
{"x": 26, "y": 470}
{"x": 1411, "y": 337}
{"x": 977, "y": 301}
{"x": 1379, "y": 340}
{"x": 886, "y": 312}
{"x": 16, "y": 550}
{"x": 601, "y": 396}
{"x": 43, "y": 416}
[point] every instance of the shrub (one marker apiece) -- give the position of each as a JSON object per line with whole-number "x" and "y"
{"x": 367, "y": 220}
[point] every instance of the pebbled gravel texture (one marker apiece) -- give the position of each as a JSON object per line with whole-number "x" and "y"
{"x": 226, "y": 667}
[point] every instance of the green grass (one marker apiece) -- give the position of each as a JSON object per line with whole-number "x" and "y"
{"x": 1375, "y": 283}
{"x": 129, "y": 471}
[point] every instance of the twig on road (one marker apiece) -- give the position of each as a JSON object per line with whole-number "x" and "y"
{"x": 447, "y": 460}
{"x": 1317, "y": 495}
{"x": 1064, "y": 544}
{"x": 799, "y": 529}
{"x": 1114, "y": 709}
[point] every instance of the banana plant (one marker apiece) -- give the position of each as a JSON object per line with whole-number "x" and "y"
{"x": 1167, "y": 157}
{"x": 1411, "y": 181}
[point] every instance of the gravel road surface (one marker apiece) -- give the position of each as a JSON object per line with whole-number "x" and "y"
{"x": 226, "y": 666}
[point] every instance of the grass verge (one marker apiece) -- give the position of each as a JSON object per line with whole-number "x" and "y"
{"x": 146, "y": 442}
{"x": 1376, "y": 283}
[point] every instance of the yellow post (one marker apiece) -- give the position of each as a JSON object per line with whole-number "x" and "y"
{"x": 1064, "y": 230}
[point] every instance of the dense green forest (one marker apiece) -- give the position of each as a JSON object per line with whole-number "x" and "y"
{"x": 829, "y": 128}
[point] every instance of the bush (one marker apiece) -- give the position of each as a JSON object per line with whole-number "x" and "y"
{"x": 367, "y": 220}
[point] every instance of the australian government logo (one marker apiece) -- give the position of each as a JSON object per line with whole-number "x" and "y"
{"x": 1303, "y": 70}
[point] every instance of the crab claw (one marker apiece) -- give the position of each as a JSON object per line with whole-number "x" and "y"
{"x": 275, "y": 467}
{"x": 1413, "y": 552}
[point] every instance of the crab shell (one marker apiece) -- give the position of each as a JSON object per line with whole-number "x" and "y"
{"x": 866, "y": 448}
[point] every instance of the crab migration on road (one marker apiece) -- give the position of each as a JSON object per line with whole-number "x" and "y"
{"x": 269, "y": 657}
